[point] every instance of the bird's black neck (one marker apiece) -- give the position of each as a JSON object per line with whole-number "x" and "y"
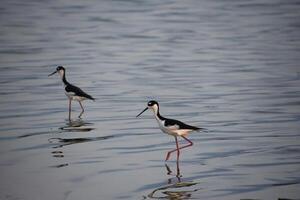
{"x": 159, "y": 116}
{"x": 64, "y": 79}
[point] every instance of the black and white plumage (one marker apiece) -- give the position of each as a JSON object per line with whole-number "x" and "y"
{"x": 171, "y": 127}
{"x": 71, "y": 91}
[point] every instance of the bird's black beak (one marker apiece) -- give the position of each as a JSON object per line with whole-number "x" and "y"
{"x": 142, "y": 111}
{"x": 52, "y": 73}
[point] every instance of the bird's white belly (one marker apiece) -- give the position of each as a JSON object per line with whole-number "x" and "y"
{"x": 77, "y": 98}
{"x": 172, "y": 130}
{"x": 168, "y": 131}
{"x": 72, "y": 96}
{"x": 183, "y": 132}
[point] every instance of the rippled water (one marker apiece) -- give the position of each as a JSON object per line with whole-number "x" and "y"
{"x": 229, "y": 66}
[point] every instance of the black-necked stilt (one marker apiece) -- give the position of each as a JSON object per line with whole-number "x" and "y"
{"x": 172, "y": 127}
{"x": 72, "y": 92}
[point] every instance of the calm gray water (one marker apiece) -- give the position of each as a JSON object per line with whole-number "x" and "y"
{"x": 231, "y": 67}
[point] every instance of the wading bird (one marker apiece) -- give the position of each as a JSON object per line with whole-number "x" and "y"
{"x": 171, "y": 127}
{"x": 72, "y": 92}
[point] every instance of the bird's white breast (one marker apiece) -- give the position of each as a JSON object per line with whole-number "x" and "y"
{"x": 70, "y": 94}
{"x": 172, "y": 130}
{"x": 165, "y": 129}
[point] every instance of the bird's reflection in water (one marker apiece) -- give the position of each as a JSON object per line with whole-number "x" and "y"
{"x": 72, "y": 126}
{"x": 176, "y": 189}
{"x": 78, "y": 125}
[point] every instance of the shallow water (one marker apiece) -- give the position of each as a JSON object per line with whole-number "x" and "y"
{"x": 231, "y": 67}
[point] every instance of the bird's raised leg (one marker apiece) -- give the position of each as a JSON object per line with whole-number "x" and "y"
{"x": 70, "y": 102}
{"x": 82, "y": 109}
{"x": 177, "y": 149}
{"x": 189, "y": 141}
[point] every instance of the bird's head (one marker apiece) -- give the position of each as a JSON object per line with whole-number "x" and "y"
{"x": 153, "y": 105}
{"x": 60, "y": 70}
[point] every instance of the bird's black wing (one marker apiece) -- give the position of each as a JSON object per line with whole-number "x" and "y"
{"x": 181, "y": 125}
{"x": 78, "y": 91}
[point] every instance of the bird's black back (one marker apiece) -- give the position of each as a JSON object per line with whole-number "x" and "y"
{"x": 78, "y": 92}
{"x": 181, "y": 125}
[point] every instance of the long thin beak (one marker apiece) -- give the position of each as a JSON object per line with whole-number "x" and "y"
{"x": 142, "y": 111}
{"x": 52, "y": 73}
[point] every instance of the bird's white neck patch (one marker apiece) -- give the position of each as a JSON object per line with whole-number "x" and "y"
{"x": 61, "y": 73}
{"x": 154, "y": 108}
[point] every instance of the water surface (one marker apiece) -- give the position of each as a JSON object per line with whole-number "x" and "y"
{"x": 229, "y": 66}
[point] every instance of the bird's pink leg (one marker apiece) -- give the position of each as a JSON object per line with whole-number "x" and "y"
{"x": 169, "y": 153}
{"x": 82, "y": 111}
{"x": 178, "y": 175}
{"x": 70, "y": 101}
{"x": 177, "y": 149}
{"x": 190, "y": 142}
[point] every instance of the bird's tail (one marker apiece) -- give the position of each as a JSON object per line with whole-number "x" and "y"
{"x": 91, "y": 98}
